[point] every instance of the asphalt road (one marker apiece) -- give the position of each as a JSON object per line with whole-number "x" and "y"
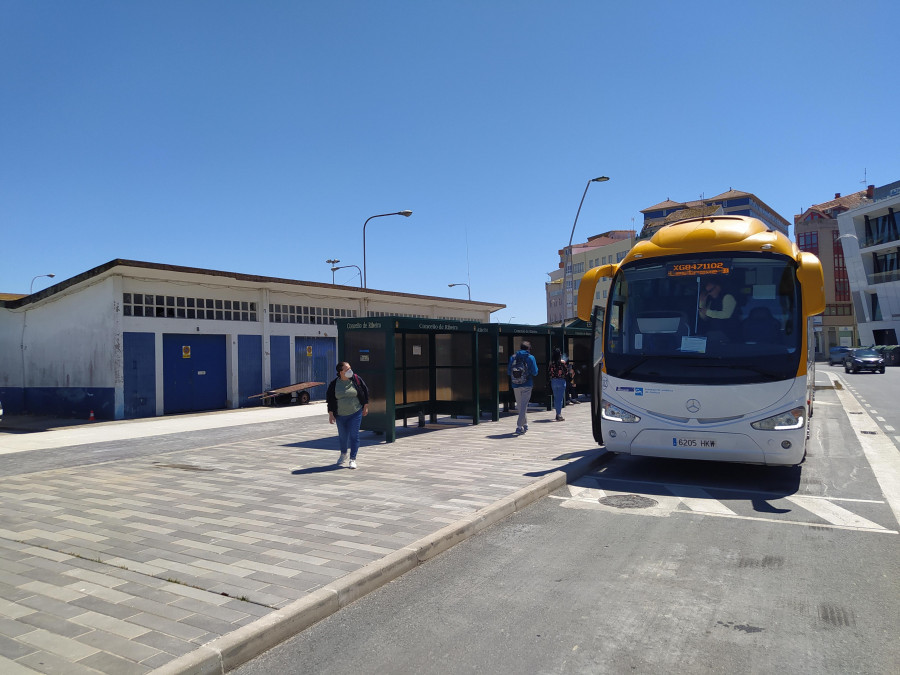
{"x": 878, "y": 393}
{"x": 651, "y": 566}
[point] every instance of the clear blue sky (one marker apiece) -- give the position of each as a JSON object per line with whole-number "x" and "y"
{"x": 257, "y": 137}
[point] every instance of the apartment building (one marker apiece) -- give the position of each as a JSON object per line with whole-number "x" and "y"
{"x": 871, "y": 242}
{"x": 562, "y": 287}
{"x": 730, "y": 203}
{"x": 816, "y": 231}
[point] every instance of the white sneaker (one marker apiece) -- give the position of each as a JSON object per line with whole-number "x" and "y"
{"x": 352, "y": 463}
{"x": 342, "y": 459}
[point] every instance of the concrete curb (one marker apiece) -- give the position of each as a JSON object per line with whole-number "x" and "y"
{"x": 230, "y": 651}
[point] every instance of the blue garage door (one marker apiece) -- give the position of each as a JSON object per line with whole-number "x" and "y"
{"x": 280, "y": 361}
{"x": 315, "y": 361}
{"x": 139, "y": 350}
{"x": 194, "y": 373}
{"x": 250, "y": 368}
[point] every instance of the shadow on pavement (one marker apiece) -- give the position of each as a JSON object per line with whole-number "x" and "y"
{"x": 574, "y": 468}
{"x": 317, "y": 469}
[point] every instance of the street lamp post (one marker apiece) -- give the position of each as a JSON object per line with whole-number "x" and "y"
{"x": 599, "y": 179}
{"x": 342, "y": 267}
{"x": 407, "y": 214}
{"x": 333, "y": 262}
{"x": 31, "y": 288}
{"x": 467, "y": 287}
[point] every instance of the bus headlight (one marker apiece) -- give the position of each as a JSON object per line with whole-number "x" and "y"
{"x": 612, "y": 412}
{"x": 791, "y": 419}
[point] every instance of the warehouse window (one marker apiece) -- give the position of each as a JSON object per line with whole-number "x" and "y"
{"x": 181, "y": 307}
{"x": 309, "y": 315}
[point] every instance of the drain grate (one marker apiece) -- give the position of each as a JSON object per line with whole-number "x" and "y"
{"x": 628, "y": 501}
{"x": 870, "y": 433}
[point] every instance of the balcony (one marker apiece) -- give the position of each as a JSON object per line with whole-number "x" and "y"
{"x": 883, "y": 277}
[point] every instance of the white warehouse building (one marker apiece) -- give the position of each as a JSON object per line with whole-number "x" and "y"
{"x": 134, "y": 339}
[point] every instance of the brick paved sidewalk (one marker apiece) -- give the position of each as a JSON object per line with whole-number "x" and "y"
{"x": 124, "y": 566}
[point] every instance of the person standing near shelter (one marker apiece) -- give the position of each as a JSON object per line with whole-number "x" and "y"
{"x": 521, "y": 370}
{"x": 348, "y": 401}
{"x": 571, "y": 386}
{"x": 556, "y": 373}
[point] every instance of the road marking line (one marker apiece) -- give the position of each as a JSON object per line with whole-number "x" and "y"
{"x": 669, "y": 505}
{"x": 834, "y": 514}
{"x": 880, "y": 419}
{"x": 888, "y": 427}
{"x": 699, "y": 500}
{"x": 600, "y": 480}
{"x": 880, "y": 452}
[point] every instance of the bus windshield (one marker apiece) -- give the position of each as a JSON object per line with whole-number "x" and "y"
{"x": 705, "y": 319}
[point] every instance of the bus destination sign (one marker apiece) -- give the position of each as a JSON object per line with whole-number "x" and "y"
{"x": 689, "y": 269}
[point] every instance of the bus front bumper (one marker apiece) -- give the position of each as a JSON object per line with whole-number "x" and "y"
{"x": 760, "y": 448}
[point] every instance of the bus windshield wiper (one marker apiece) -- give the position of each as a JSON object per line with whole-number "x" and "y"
{"x": 641, "y": 361}
{"x": 755, "y": 369}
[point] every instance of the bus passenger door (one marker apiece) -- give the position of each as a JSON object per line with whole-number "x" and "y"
{"x": 597, "y": 372}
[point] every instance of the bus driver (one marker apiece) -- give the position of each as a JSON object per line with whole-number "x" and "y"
{"x": 717, "y": 310}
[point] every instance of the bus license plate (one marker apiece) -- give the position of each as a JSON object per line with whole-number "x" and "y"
{"x": 693, "y": 443}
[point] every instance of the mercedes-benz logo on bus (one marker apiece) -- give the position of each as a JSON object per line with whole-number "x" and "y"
{"x": 693, "y": 405}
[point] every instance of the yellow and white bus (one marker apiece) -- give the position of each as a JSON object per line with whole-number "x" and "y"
{"x": 704, "y": 347}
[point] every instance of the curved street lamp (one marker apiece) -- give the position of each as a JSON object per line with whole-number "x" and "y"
{"x": 599, "y": 179}
{"x": 406, "y": 214}
{"x": 31, "y": 288}
{"x": 467, "y": 287}
{"x": 343, "y": 267}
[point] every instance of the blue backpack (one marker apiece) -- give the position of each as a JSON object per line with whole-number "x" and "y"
{"x": 519, "y": 371}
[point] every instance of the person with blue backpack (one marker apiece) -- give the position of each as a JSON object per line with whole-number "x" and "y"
{"x": 521, "y": 370}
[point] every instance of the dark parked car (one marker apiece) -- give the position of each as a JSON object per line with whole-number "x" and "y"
{"x": 836, "y": 355}
{"x": 863, "y": 359}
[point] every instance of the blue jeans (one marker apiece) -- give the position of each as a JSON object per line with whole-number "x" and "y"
{"x": 558, "y": 386}
{"x": 348, "y": 431}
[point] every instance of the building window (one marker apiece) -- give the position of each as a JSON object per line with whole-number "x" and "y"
{"x": 841, "y": 282}
{"x": 182, "y": 307}
{"x": 886, "y": 267}
{"x": 307, "y": 315}
{"x": 808, "y": 241}
{"x": 876, "y": 308}
{"x": 881, "y": 229}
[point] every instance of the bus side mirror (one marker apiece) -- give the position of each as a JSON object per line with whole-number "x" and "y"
{"x": 812, "y": 284}
{"x": 588, "y": 287}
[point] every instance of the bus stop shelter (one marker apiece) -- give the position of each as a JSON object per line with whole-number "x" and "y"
{"x": 544, "y": 339}
{"x": 422, "y": 368}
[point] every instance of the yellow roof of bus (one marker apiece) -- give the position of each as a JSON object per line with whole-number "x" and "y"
{"x": 711, "y": 234}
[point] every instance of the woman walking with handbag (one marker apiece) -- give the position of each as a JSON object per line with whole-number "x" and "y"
{"x": 556, "y": 373}
{"x": 348, "y": 402}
